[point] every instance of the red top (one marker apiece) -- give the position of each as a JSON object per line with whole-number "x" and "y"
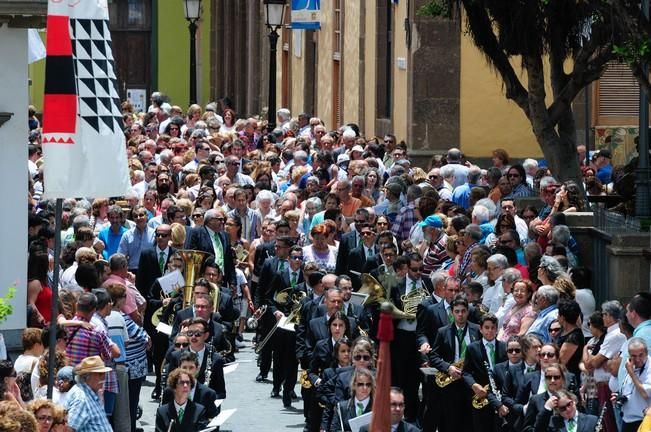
{"x": 44, "y": 302}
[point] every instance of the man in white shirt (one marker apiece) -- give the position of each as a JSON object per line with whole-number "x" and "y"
{"x": 492, "y": 298}
{"x": 508, "y": 207}
{"x": 635, "y": 389}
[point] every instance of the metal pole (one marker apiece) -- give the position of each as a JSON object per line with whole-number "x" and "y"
{"x": 55, "y": 298}
{"x": 193, "y": 61}
{"x": 642, "y": 195}
{"x": 273, "y": 41}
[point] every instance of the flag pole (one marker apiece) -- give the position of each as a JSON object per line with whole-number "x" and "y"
{"x": 55, "y": 298}
{"x": 381, "y": 420}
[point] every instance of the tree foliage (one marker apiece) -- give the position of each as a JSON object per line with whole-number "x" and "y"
{"x": 582, "y": 36}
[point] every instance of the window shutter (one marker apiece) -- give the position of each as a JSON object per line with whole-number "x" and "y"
{"x": 618, "y": 95}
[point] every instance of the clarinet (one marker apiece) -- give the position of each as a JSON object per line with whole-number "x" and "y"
{"x": 600, "y": 421}
{"x": 163, "y": 381}
{"x": 494, "y": 389}
{"x": 169, "y": 428}
{"x": 209, "y": 364}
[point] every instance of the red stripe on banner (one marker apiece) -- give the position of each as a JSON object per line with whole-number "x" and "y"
{"x": 58, "y": 36}
{"x": 59, "y": 113}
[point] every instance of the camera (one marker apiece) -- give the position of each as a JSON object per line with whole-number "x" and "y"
{"x": 620, "y": 400}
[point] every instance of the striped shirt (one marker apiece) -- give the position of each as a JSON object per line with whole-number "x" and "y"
{"x": 84, "y": 343}
{"x": 136, "y": 349}
{"x": 86, "y": 410}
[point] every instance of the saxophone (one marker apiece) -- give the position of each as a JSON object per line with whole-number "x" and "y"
{"x": 479, "y": 403}
{"x": 443, "y": 379}
{"x": 599, "y": 427}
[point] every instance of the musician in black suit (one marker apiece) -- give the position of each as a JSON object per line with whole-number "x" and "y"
{"x": 276, "y": 264}
{"x": 508, "y": 375}
{"x": 284, "y": 340}
{"x": 555, "y": 380}
{"x": 202, "y": 307}
{"x": 534, "y": 382}
{"x": 481, "y": 359}
{"x": 405, "y": 358}
{"x": 210, "y": 238}
{"x": 565, "y": 415}
{"x": 397, "y": 413}
{"x": 153, "y": 262}
{"x": 200, "y": 393}
{"x": 350, "y": 241}
{"x": 349, "y": 309}
{"x": 212, "y": 375}
{"x": 450, "y": 346}
{"x": 361, "y": 401}
{"x": 181, "y": 414}
{"x": 318, "y": 327}
{"x": 436, "y": 315}
{"x": 375, "y": 261}
{"x": 358, "y": 255}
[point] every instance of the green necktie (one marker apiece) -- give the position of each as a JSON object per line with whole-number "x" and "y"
{"x": 413, "y": 285}
{"x": 161, "y": 262}
{"x": 294, "y": 279}
{"x": 219, "y": 251}
{"x": 531, "y": 369}
{"x": 281, "y": 265}
{"x": 491, "y": 353}
{"x": 180, "y": 415}
{"x": 462, "y": 343}
{"x": 571, "y": 425}
{"x": 360, "y": 408}
{"x": 450, "y": 316}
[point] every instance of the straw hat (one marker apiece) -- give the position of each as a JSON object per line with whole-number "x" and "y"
{"x": 92, "y": 364}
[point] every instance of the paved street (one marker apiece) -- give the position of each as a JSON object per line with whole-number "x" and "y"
{"x": 256, "y": 411}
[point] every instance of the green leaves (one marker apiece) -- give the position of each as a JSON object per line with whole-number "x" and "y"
{"x": 634, "y": 51}
{"x": 5, "y": 307}
{"x": 435, "y": 8}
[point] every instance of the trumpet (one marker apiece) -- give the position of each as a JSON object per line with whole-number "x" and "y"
{"x": 443, "y": 379}
{"x": 253, "y": 320}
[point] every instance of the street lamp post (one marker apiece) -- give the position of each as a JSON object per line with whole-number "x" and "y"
{"x": 192, "y": 13}
{"x": 275, "y": 10}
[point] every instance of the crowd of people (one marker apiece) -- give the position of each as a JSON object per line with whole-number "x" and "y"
{"x": 300, "y": 232}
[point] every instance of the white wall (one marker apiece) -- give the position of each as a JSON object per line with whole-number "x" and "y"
{"x": 13, "y": 172}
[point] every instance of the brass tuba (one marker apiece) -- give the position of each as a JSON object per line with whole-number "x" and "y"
{"x": 192, "y": 262}
{"x": 443, "y": 379}
{"x": 377, "y": 295}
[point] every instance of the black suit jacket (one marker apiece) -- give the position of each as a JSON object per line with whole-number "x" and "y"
{"x": 432, "y": 317}
{"x": 337, "y": 388}
{"x": 348, "y": 411}
{"x": 281, "y": 281}
{"x": 347, "y": 243}
{"x": 149, "y": 271}
{"x": 372, "y": 263}
{"x": 198, "y": 238}
{"x": 194, "y": 418}
{"x": 403, "y": 426}
{"x": 267, "y": 275}
{"x": 513, "y": 382}
{"x": 322, "y": 358}
{"x": 356, "y": 262}
{"x": 531, "y": 382}
{"x": 399, "y": 290}
{"x": 203, "y": 395}
{"x": 546, "y": 422}
{"x": 354, "y": 311}
{"x": 216, "y": 382}
{"x": 318, "y": 329}
{"x": 474, "y": 369}
{"x": 303, "y": 350}
{"x": 536, "y": 405}
{"x": 227, "y": 313}
{"x": 442, "y": 354}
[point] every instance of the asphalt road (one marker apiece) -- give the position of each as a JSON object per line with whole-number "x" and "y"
{"x": 255, "y": 410}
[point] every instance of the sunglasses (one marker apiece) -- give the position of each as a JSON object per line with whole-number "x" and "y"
{"x": 362, "y": 357}
{"x": 513, "y": 175}
{"x": 566, "y": 406}
{"x": 162, "y": 234}
{"x": 514, "y": 350}
{"x": 553, "y": 377}
{"x": 368, "y": 385}
{"x": 181, "y": 345}
{"x": 195, "y": 333}
{"x": 547, "y": 354}
{"x": 297, "y": 258}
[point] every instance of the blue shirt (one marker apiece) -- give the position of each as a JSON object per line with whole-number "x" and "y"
{"x": 540, "y": 327}
{"x": 461, "y": 195}
{"x": 111, "y": 240}
{"x": 605, "y": 174}
{"x": 133, "y": 242}
{"x": 86, "y": 411}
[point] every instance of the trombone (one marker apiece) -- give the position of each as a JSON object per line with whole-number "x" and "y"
{"x": 285, "y": 297}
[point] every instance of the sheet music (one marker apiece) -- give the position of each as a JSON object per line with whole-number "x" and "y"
{"x": 171, "y": 282}
{"x": 164, "y": 328}
{"x": 357, "y": 422}
{"x": 358, "y": 298}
